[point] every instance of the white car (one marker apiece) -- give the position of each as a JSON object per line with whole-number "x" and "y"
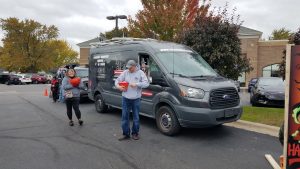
{"x": 25, "y": 79}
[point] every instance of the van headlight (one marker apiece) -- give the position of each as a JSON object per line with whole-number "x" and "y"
{"x": 191, "y": 92}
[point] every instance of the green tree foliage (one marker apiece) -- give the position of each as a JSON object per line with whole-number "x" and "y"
{"x": 214, "y": 36}
{"x": 29, "y": 46}
{"x": 280, "y": 34}
{"x": 62, "y": 54}
{"x": 116, "y": 33}
{"x": 293, "y": 39}
{"x": 163, "y": 19}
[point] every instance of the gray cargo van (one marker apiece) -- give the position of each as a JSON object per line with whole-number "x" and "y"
{"x": 184, "y": 90}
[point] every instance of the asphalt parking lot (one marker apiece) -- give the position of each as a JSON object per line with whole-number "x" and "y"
{"x": 34, "y": 133}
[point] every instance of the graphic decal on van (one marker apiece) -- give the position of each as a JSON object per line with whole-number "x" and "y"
{"x": 100, "y": 64}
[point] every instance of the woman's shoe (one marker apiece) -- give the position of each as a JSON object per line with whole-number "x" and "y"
{"x": 80, "y": 122}
{"x": 71, "y": 123}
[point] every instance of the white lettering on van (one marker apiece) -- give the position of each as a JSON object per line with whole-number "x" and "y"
{"x": 104, "y": 56}
{"x": 100, "y": 60}
{"x": 101, "y": 57}
{"x": 97, "y": 57}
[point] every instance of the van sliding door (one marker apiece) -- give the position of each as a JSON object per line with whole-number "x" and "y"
{"x": 115, "y": 65}
{"x": 147, "y": 65}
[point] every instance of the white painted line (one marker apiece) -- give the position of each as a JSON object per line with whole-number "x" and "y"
{"x": 8, "y": 92}
{"x": 271, "y": 160}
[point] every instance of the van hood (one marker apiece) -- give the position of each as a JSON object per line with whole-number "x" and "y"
{"x": 84, "y": 79}
{"x": 206, "y": 83}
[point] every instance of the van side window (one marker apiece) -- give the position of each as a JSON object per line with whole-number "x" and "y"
{"x": 118, "y": 62}
{"x": 148, "y": 65}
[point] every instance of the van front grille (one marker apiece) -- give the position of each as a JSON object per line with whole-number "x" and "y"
{"x": 224, "y": 98}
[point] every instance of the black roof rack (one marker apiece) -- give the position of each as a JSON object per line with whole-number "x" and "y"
{"x": 118, "y": 40}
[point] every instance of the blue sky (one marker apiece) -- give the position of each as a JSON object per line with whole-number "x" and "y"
{"x": 80, "y": 20}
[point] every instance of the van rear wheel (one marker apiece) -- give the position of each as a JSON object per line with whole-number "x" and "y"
{"x": 167, "y": 121}
{"x": 100, "y": 105}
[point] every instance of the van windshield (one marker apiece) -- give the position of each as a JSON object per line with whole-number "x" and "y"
{"x": 186, "y": 64}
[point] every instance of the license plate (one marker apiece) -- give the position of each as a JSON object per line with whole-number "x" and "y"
{"x": 229, "y": 112}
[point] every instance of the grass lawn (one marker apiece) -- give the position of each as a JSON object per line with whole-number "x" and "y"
{"x": 269, "y": 116}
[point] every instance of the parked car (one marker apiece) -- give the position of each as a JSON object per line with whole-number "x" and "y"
{"x": 184, "y": 90}
{"x": 83, "y": 73}
{"x": 251, "y": 84}
{"x": 25, "y": 79}
{"x": 48, "y": 77}
{"x": 268, "y": 91}
{"x": 4, "y": 77}
{"x": 38, "y": 78}
{"x": 13, "y": 79}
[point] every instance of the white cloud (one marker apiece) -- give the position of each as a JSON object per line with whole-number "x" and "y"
{"x": 266, "y": 15}
{"x": 80, "y": 20}
{"x": 77, "y": 20}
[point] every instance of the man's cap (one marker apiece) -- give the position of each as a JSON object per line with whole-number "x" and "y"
{"x": 130, "y": 63}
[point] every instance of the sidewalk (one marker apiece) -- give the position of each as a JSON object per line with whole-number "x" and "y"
{"x": 255, "y": 127}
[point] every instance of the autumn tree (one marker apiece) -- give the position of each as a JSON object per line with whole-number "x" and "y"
{"x": 163, "y": 19}
{"x": 280, "y": 34}
{"x": 29, "y": 46}
{"x": 293, "y": 39}
{"x": 62, "y": 54}
{"x": 214, "y": 35}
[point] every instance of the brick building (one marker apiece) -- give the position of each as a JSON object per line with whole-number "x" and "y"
{"x": 264, "y": 56}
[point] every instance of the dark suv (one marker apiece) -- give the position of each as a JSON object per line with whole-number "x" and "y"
{"x": 83, "y": 73}
{"x": 13, "y": 79}
{"x": 251, "y": 84}
{"x": 4, "y": 78}
{"x": 37, "y": 79}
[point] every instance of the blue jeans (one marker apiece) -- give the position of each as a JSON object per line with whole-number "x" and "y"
{"x": 61, "y": 95}
{"x": 129, "y": 105}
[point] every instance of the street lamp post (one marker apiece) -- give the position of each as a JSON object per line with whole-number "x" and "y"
{"x": 116, "y": 18}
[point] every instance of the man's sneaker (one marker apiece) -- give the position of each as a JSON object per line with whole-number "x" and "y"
{"x": 135, "y": 137}
{"x": 80, "y": 122}
{"x": 124, "y": 137}
{"x": 71, "y": 123}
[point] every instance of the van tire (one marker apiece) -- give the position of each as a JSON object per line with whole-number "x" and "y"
{"x": 167, "y": 121}
{"x": 100, "y": 105}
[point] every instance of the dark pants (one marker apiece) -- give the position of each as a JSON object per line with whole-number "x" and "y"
{"x": 54, "y": 94}
{"x": 73, "y": 102}
{"x": 129, "y": 105}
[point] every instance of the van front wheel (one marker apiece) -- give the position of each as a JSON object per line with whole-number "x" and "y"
{"x": 100, "y": 105}
{"x": 167, "y": 121}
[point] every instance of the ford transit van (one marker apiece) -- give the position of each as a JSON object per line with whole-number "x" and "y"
{"x": 184, "y": 90}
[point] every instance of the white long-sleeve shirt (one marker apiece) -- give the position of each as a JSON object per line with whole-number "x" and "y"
{"x": 137, "y": 77}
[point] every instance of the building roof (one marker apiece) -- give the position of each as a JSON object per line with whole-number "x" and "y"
{"x": 244, "y": 31}
{"x": 87, "y": 43}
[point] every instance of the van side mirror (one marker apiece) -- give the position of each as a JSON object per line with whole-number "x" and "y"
{"x": 157, "y": 78}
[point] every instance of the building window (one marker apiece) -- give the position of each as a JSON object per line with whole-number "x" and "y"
{"x": 271, "y": 71}
{"x": 242, "y": 79}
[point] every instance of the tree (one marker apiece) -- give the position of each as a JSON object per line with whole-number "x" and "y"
{"x": 29, "y": 46}
{"x": 62, "y": 54}
{"x": 280, "y": 34}
{"x": 163, "y": 19}
{"x": 116, "y": 33}
{"x": 214, "y": 37}
{"x": 293, "y": 39}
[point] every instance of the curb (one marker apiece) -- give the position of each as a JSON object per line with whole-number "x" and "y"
{"x": 255, "y": 127}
